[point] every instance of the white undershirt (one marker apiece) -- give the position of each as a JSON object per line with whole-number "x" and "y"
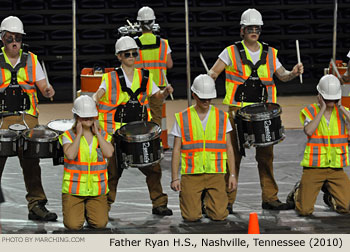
{"x": 255, "y": 56}
{"x": 176, "y": 130}
{"x": 128, "y": 83}
{"x": 39, "y": 71}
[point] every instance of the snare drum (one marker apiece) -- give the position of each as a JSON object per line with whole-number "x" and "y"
{"x": 260, "y": 124}
{"x": 18, "y": 128}
{"x": 40, "y": 143}
{"x": 8, "y": 143}
{"x": 60, "y": 126}
{"x": 140, "y": 144}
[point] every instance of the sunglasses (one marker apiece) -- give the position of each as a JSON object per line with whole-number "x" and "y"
{"x": 253, "y": 29}
{"x": 17, "y": 38}
{"x": 204, "y": 100}
{"x": 335, "y": 101}
{"x": 133, "y": 54}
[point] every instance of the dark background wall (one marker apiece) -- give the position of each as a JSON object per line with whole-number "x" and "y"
{"x": 214, "y": 24}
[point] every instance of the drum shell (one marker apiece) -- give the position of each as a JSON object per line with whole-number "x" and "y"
{"x": 9, "y": 146}
{"x": 141, "y": 154}
{"x": 40, "y": 147}
{"x": 32, "y": 149}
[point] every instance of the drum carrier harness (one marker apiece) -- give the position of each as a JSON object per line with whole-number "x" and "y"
{"x": 146, "y": 47}
{"x": 13, "y": 93}
{"x": 132, "y": 110}
{"x": 252, "y": 90}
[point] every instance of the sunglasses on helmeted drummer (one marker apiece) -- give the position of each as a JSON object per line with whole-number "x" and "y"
{"x": 253, "y": 29}
{"x": 133, "y": 54}
{"x": 16, "y": 38}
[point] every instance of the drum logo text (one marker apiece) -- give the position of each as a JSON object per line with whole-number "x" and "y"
{"x": 267, "y": 130}
{"x": 145, "y": 146}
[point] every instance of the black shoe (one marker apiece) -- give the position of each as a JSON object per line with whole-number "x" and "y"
{"x": 162, "y": 210}
{"x": 290, "y": 198}
{"x": 275, "y": 205}
{"x": 229, "y": 208}
{"x": 40, "y": 213}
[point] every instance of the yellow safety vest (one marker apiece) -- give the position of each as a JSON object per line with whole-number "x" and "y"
{"x": 328, "y": 146}
{"x": 238, "y": 73}
{"x": 26, "y": 79}
{"x": 154, "y": 59}
{"x": 87, "y": 174}
{"x": 203, "y": 151}
{"x": 114, "y": 96}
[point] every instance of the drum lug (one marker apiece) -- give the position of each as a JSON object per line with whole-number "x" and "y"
{"x": 0, "y": 147}
{"x": 37, "y": 148}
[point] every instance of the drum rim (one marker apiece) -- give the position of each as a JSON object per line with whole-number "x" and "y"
{"x": 147, "y": 164}
{"x": 40, "y": 140}
{"x": 8, "y": 139}
{"x": 139, "y": 138}
{"x": 259, "y": 117}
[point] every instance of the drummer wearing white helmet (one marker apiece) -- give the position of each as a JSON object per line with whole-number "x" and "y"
{"x": 20, "y": 77}
{"x": 249, "y": 67}
{"x": 122, "y": 98}
{"x": 326, "y": 152}
{"x": 85, "y": 179}
{"x": 202, "y": 143}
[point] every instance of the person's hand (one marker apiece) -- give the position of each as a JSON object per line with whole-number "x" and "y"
{"x": 232, "y": 183}
{"x": 49, "y": 92}
{"x": 321, "y": 102}
{"x": 298, "y": 69}
{"x": 79, "y": 128}
{"x": 175, "y": 185}
{"x": 168, "y": 90}
{"x": 95, "y": 128}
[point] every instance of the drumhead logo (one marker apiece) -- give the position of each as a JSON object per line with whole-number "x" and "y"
{"x": 267, "y": 130}
{"x": 145, "y": 146}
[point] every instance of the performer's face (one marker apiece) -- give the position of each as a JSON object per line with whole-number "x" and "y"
{"x": 12, "y": 42}
{"x": 202, "y": 103}
{"x": 251, "y": 33}
{"x": 87, "y": 121}
{"x": 128, "y": 57}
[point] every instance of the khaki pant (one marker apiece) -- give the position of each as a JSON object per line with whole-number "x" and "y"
{"x": 264, "y": 157}
{"x": 153, "y": 179}
{"x": 215, "y": 200}
{"x": 311, "y": 183}
{"x": 30, "y": 167}
{"x": 77, "y": 209}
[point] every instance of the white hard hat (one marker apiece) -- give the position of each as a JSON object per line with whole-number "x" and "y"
{"x": 329, "y": 87}
{"x": 145, "y": 14}
{"x": 204, "y": 87}
{"x": 84, "y": 106}
{"x": 12, "y": 24}
{"x": 125, "y": 43}
{"x": 251, "y": 17}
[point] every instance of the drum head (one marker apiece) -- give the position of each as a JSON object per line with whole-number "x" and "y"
{"x": 40, "y": 135}
{"x": 17, "y": 127}
{"x": 139, "y": 131}
{"x": 7, "y": 135}
{"x": 260, "y": 111}
{"x": 61, "y": 125}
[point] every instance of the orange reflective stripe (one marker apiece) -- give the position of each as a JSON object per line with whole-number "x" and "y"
{"x": 233, "y": 57}
{"x": 71, "y": 184}
{"x": 232, "y": 95}
{"x": 268, "y": 68}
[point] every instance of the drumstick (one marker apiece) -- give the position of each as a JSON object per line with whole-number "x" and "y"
{"x": 203, "y": 61}
{"x": 129, "y": 23}
{"x": 299, "y": 61}
{"x": 167, "y": 83}
{"x": 47, "y": 78}
{"x": 335, "y": 69}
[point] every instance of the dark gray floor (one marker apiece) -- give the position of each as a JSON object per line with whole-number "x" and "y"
{"x": 131, "y": 214}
